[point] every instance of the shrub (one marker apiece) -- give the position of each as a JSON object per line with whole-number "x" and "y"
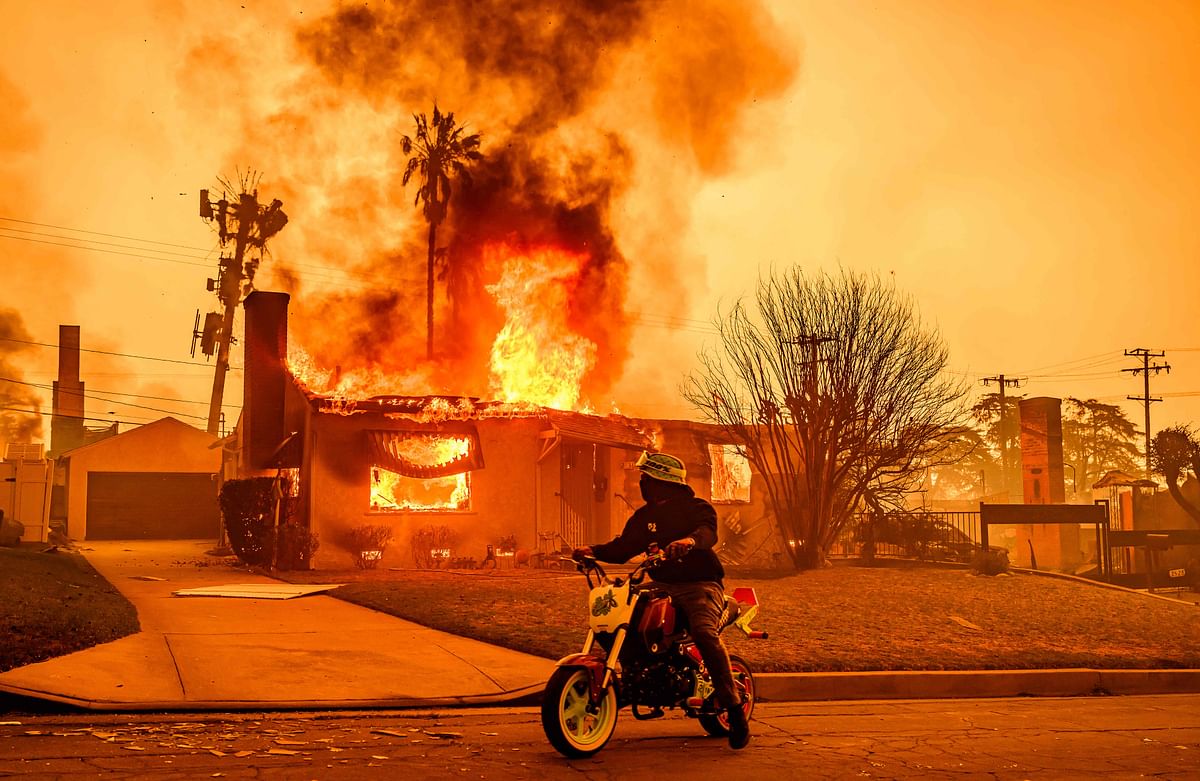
{"x": 363, "y": 540}
{"x": 990, "y": 562}
{"x": 428, "y": 544}
{"x": 248, "y": 511}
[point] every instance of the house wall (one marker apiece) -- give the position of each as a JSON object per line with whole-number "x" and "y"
{"x": 163, "y": 446}
{"x": 744, "y": 529}
{"x": 504, "y": 494}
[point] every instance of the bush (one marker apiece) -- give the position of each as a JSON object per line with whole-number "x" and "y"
{"x": 429, "y": 543}
{"x": 248, "y": 511}
{"x": 364, "y": 540}
{"x": 990, "y": 562}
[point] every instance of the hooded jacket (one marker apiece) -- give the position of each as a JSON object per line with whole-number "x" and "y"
{"x": 681, "y": 514}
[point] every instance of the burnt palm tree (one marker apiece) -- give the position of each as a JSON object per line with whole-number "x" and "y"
{"x": 437, "y": 152}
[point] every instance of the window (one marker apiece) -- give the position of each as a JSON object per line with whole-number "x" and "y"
{"x": 730, "y": 474}
{"x": 414, "y": 475}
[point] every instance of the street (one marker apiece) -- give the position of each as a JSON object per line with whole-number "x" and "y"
{"x": 1020, "y": 738}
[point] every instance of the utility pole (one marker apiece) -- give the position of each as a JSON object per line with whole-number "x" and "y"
{"x": 1145, "y": 398}
{"x": 813, "y": 343}
{"x": 248, "y": 226}
{"x": 1004, "y": 382}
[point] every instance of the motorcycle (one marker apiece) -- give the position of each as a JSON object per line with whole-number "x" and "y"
{"x": 638, "y": 653}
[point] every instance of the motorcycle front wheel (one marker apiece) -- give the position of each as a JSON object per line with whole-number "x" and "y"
{"x": 571, "y": 728}
{"x": 743, "y": 683}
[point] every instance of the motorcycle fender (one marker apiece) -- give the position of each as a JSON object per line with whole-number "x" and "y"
{"x": 594, "y": 665}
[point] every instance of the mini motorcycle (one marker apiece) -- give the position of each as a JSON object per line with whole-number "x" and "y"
{"x": 638, "y": 653}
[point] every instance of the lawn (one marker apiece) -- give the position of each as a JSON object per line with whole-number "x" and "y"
{"x": 834, "y": 619}
{"x": 55, "y": 603}
{"x": 901, "y": 617}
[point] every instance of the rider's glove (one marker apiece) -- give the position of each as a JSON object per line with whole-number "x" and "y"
{"x": 680, "y": 547}
{"x": 579, "y": 553}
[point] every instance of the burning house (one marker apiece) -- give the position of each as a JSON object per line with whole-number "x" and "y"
{"x": 454, "y": 472}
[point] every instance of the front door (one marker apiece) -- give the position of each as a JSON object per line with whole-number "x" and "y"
{"x": 576, "y": 522}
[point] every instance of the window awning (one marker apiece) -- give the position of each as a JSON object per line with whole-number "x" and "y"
{"x": 392, "y": 450}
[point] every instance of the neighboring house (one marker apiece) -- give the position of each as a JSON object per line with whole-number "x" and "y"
{"x": 157, "y": 481}
{"x": 460, "y": 472}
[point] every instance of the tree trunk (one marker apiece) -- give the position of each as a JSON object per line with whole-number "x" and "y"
{"x": 429, "y": 292}
{"x": 1181, "y": 500}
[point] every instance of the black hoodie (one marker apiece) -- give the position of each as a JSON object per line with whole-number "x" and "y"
{"x": 678, "y": 514}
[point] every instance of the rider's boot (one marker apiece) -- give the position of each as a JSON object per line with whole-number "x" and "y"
{"x": 739, "y": 728}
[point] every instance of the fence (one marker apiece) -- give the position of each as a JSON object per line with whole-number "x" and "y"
{"x": 938, "y": 536}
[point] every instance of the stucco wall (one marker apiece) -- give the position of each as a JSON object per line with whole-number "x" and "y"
{"x": 503, "y": 494}
{"x": 165, "y": 445}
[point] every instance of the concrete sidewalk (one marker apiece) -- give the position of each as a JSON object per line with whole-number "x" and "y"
{"x": 318, "y": 652}
{"x": 216, "y": 653}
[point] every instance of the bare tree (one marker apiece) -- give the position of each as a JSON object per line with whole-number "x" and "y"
{"x": 837, "y": 394}
{"x": 1174, "y": 452}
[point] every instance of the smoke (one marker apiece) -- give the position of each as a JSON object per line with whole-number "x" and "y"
{"x": 20, "y": 406}
{"x": 599, "y": 122}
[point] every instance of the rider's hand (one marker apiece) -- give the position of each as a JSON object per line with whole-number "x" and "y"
{"x": 580, "y": 553}
{"x": 680, "y": 547}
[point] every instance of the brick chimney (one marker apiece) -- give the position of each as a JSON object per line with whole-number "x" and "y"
{"x": 66, "y": 423}
{"x": 264, "y": 426}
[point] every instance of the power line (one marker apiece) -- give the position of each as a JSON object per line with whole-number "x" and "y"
{"x": 98, "y": 249}
{"x": 110, "y": 401}
{"x": 107, "y": 352}
{"x": 105, "y": 243}
{"x": 73, "y": 417}
{"x": 98, "y": 233}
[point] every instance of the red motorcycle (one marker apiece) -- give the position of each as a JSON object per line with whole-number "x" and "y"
{"x": 638, "y": 653}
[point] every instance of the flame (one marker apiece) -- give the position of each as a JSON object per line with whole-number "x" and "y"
{"x": 394, "y": 492}
{"x": 537, "y": 357}
{"x": 361, "y": 383}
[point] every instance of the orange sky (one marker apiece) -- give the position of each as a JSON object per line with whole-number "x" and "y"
{"x": 1027, "y": 171}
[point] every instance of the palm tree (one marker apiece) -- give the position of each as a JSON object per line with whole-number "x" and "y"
{"x": 437, "y": 150}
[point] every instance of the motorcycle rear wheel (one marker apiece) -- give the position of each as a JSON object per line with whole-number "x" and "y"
{"x": 571, "y": 729}
{"x": 717, "y": 725}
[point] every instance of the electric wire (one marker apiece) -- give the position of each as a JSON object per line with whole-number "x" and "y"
{"x": 108, "y": 352}
{"x": 114, "y": 401}
{"x": 140, "y": 422}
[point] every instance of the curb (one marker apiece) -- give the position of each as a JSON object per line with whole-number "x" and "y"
{"x": 526, "y": 695}
{"x": 946, "y": 684}
{"x": 771, "y": 687}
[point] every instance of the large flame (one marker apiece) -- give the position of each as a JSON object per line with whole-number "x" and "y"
{"x": 536, "y": 356}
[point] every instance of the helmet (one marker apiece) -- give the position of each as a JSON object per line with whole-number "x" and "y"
{"x": 662, "y": 466}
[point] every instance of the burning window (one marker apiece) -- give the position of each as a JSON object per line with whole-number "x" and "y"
{"x": 730, "y": 474}
{"x": 421, "y": 471}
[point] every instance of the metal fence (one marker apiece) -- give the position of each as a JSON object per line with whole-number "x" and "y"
{"x": 926, "y": 535}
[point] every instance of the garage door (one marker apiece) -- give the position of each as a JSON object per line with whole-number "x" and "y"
{"x": 151, "y": 506}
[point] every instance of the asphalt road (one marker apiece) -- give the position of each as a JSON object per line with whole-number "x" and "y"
{"x": 1027, "y": 738}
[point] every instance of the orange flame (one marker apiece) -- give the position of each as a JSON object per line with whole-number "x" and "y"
{"x": 537, "y": 357}
{"x": 394, "y": 492}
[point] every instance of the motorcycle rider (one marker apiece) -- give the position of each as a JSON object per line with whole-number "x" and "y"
{"x": 685, "y": 526}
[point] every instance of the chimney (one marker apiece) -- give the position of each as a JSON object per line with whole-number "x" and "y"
{"x": 1042, "y": 450}
{"x": 66, "y": 422}
{"x": 266, "y": 379}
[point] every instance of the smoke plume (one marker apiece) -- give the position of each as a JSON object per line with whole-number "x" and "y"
{"x": 599, "y": 121}
{"x": 20, "y": 406}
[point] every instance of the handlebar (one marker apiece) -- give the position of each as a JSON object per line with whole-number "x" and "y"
{"x": 589, "y": 564}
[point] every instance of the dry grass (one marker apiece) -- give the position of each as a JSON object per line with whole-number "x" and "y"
{"x": 840, "y": 618}
{"x": 55, "y": 603}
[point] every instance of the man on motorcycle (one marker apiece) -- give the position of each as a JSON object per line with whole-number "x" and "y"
{"x": 675, "y": 519}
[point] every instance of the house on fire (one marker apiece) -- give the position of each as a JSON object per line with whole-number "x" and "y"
{"x": 476, "y": 472}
